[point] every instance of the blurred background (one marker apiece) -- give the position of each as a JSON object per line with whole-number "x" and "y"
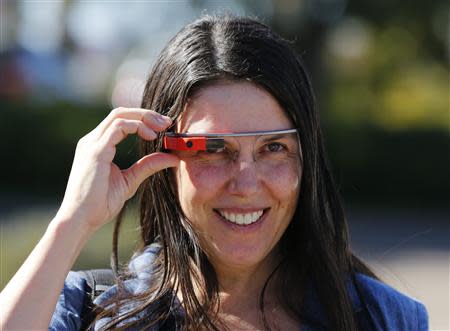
{"x": 381, "y": 74}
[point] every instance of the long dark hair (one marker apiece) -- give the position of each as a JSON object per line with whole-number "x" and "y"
{"x": 315, "y": 245}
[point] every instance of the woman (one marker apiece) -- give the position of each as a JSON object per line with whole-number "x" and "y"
{"x": 241, "y": 225}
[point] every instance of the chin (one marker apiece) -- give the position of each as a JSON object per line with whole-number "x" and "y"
{"x": 238, "y": 256}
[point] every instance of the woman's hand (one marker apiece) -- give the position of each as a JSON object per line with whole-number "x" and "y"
{"x": 97, "y": 188}
{"x": 96, "y": 191}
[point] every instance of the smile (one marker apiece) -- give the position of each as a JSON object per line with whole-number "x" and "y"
{"x": 241, "y": 218}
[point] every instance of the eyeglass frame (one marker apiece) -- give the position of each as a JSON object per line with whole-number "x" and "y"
{"x": 187, "y": 141}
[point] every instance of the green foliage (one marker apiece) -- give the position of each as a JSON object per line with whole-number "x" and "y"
{"x": 40, "y": 141}
{"x": 378, "y": 167}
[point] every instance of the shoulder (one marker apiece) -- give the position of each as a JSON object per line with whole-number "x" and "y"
{"x": 390, "y": 309}
{"x": 75, "y": 297}
{"x": 141, "y": 270}
{"x": 70, "y": 304}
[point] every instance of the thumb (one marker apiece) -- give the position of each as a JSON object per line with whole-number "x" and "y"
{"x": 146, "y": 167}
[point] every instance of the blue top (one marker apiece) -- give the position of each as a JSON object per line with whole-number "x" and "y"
{"x": 388, "y": 309}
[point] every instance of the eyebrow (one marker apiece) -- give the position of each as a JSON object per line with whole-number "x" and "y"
{"x": 276, "y": 137}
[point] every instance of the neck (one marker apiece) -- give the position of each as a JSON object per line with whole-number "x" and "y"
{"x": 239, "y": 292}
{"x": 241, "y": 286}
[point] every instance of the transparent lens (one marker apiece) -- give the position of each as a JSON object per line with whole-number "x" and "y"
{"x": 269, "y": 151}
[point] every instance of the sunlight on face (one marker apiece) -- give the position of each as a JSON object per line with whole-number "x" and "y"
{"x": 239, "y": 199}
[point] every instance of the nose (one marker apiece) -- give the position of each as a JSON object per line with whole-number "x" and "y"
{"x": 245, "y": 179}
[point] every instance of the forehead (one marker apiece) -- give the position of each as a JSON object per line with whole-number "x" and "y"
{"x": 232, "y": 107}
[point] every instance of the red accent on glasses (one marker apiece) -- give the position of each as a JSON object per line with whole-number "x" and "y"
{"x": 185, "y": 144}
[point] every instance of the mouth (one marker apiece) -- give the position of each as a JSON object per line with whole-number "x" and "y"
{"x": 242, "y": 219}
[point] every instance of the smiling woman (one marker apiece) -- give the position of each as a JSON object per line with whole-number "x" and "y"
{"x": 241, "y": 225}
{"x": 220, "y": 192}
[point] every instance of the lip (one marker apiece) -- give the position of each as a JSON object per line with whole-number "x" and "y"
{"x": 242, "y": 228}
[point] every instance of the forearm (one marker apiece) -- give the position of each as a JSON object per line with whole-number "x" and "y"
{"x": 29, "y": 299}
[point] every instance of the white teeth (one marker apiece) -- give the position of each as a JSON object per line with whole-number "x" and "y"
{"x": 242, "y": 219}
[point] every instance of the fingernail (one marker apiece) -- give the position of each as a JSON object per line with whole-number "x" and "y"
{"x": 164, "y": 119}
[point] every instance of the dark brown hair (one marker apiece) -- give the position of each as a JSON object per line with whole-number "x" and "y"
{"x": 315, "y": 244}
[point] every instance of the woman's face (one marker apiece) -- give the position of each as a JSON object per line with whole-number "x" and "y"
{"x": 255, "y": 179}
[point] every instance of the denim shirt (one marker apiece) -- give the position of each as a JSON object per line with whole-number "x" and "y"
{"x": 381, "y": 307}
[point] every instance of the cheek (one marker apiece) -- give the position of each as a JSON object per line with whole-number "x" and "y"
{"x": 284, "y": 181}
{"x": 198, "y": 183}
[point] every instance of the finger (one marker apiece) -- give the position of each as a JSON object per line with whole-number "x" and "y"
{"x": 147, "y": 166}
{"x": 120, "y": 128}
{"x": 152, "y": 119}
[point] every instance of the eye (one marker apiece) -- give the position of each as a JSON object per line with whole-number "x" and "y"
{"x": 275, "y": 147}
{"x": 214, "y": 153}
{"x": 216, "y": 150}
{"x": 214, "y": 156}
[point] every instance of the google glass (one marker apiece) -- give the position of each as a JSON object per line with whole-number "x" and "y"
{"x": 210, "y": 141}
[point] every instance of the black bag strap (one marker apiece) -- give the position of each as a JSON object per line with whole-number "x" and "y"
{"x": 98, "y": 281}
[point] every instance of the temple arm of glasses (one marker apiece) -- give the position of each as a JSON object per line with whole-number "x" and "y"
{"x": 238, "y": 134}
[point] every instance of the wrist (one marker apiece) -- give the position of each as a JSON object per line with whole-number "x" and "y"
{"x": 66, "y": 226}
